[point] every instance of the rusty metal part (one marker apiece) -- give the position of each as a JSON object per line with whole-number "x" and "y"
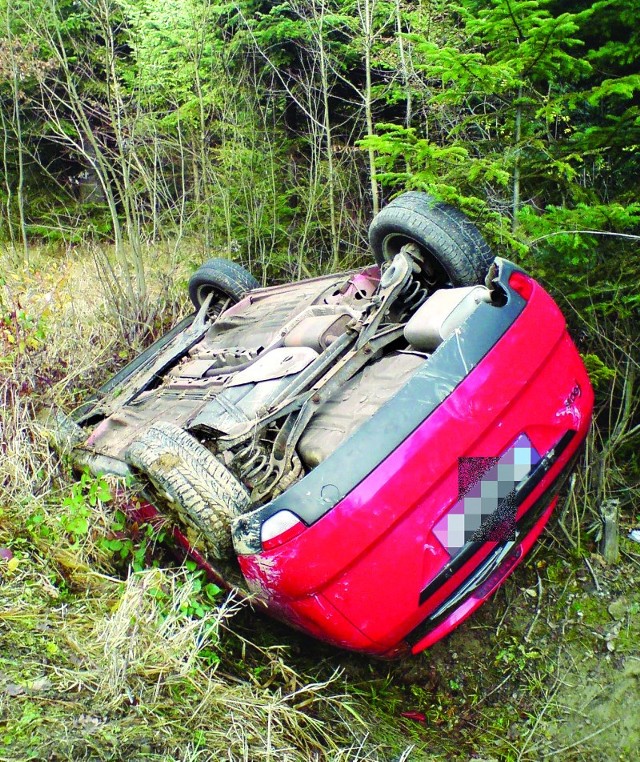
{"x": 394, "y": 279}
{"x": 318, "y": 332}
{"x": 279, "y": 362}
{"x": 157, "y": 365}
{"x": 251, "y": 461}
{"x": 331, "y": 361}
{"x": 371, "y": 340}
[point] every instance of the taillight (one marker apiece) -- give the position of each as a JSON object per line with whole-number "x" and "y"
{"x": 521, "y": 284}
{"x": 280, "y": 528}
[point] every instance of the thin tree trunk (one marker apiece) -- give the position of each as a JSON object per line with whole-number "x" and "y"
{"x": 125, "y": 147}
{"x": 203, "y": 155}
{"x": 7, "y": 181}
{"x": 17, "y": 126}
{"x": 86, "y": 143}
{"x": 516, "y": 164}
{"x": 20, "y": 152}
{"x": 404, "y": 70}
{"x": 331, "y": 179}
{"x": 369, "y": 6}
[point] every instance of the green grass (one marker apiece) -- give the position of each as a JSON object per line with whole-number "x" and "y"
{"x": 111, "y": 650}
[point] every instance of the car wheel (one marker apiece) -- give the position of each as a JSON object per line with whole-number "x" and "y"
{"x": 453, "y": 250}
{"x": 228, "y": 281}
{"x": 187, "y": 479}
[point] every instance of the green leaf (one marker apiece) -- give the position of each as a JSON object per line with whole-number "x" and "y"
{"x": 78, "y": 525}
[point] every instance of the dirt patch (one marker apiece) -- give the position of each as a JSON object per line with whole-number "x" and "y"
{"x": 601, "y": 708}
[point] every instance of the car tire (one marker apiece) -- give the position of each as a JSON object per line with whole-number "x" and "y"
{"x": 454, "y": 251}
{"x": 188, "y": 480}
{"x": 228, "y": 281}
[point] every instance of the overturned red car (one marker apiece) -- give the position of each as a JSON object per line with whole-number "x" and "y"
{"x": 369, "y": 454}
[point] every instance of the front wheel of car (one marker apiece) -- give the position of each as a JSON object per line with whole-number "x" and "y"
{"x": 191, "y": 483}
{"x": 452, "y": 250}
{"x": 228, "y": 281}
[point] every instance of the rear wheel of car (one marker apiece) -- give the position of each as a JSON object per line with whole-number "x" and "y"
{"x": 453, "y": 251}
{"x": 186, "y": 478}
{"x": 228, "y": 281}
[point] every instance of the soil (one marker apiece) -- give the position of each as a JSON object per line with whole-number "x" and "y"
{"x": 550, "y": 667}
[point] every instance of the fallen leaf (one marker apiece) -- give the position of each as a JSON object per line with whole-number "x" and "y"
{"x": 13, "y": 689}
{"x": 415, "y": 716}
{"x": 40, "y": 684}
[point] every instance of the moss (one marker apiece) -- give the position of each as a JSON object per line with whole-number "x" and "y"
{"x": 591, "y": 611}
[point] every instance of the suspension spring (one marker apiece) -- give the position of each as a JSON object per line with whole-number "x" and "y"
{"x": 253, "y": 463}
{"x": 412, "y": 296}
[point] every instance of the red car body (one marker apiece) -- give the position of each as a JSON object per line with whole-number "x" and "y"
{"x": 415, "y": 518}
{"x": 341, "y": 578}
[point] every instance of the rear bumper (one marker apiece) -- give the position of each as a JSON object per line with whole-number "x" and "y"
{"x": 501, "y": 559}
{"x": 450, "y": 597}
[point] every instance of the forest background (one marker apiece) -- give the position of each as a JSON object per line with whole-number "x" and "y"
{"x": 141, "y": 137}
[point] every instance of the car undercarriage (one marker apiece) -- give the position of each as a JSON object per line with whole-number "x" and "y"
{"x": 315, "y": 435}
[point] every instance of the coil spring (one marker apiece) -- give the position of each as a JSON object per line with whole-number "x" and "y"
{"x": 253, "y": 462}
{"x": 412, "y": 296}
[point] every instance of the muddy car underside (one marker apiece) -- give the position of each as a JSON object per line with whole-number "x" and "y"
{"x": 280, "y": 380}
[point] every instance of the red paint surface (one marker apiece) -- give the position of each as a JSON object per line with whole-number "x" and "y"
{"x": 354, "y": 577}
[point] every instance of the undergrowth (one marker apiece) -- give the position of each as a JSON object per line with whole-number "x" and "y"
{"x": 105, "y": 655}
{"x": 111, "y": 649}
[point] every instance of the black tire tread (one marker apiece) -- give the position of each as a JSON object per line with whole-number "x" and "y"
{"x": 173, "y": 436}
{"x": 441, "y": 229}
{"x": 228, "y": 278}
{"x": 199, "y": 489}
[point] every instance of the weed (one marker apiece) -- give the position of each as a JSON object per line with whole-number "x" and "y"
{"x": 515, "y": 654}
{"x": 85, "y": 495}
{"x": 104, "y": 654}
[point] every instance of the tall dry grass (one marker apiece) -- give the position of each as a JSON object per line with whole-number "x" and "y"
{"x": 94, "y": 663}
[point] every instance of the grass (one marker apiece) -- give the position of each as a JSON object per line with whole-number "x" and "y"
{"x": 113, "y": 674}
{"x": 111, "y": 650}
{"x": 97, "y": 662}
